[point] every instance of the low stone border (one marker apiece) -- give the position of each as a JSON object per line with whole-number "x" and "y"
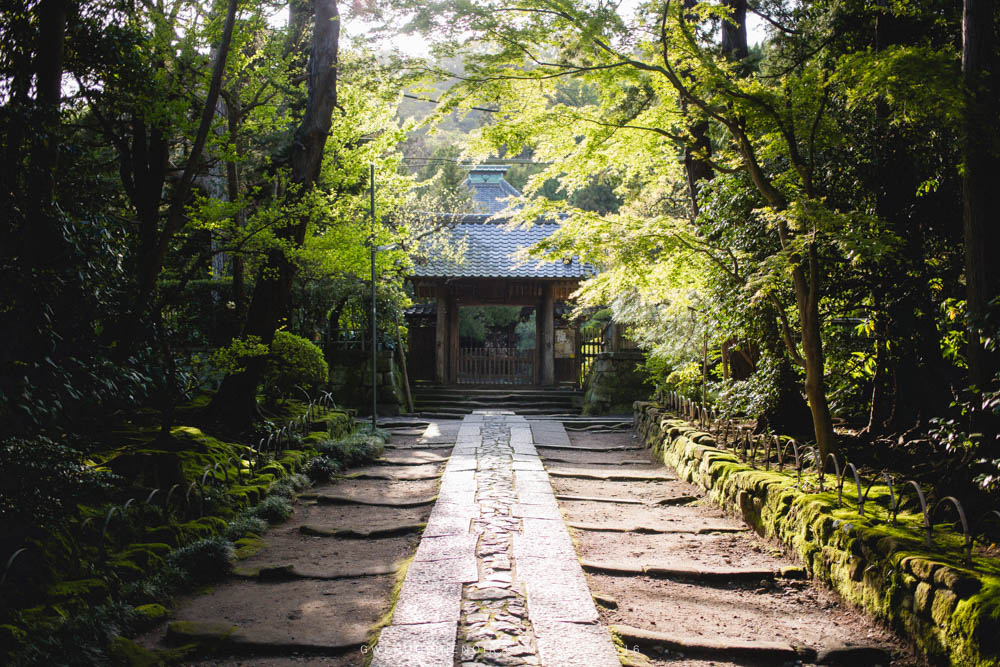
{"x": 950, "y": 612}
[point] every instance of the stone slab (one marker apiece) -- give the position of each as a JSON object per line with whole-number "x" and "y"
{"x": 574, "y": 644}
{"x": 538, "y": 497}
{"x": 456, "y": 570}
{"x": 583, "y": 473}
{"x": 442, "y": 524}
{"x": 527, "y": 466}
{"x": 444, "y": 547}
{"x": 543, "y": 548}
{"x": 719, "y": 647}
{"x": 425, "y": 645}
{"x": 428, "y": 602}
{"x": 457, "y": 497}
{"x": 557, "y": 590}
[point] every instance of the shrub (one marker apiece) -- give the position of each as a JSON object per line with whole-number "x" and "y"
{"x": 293, "y": 361}
{"x": 273, "y": 509}
{"x": 206, "y": 560}
{"x": 322, "y": 469}
{"x": 356, "y": 449}
{"x": 243, "y": 524}
{"x": 289, "y": 486}
{"x": 81, "y": 639}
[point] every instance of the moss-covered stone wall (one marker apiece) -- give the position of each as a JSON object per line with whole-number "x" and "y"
{"x": 949, "y": 610}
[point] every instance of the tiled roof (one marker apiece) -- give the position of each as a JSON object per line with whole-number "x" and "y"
{"x": 490, "y": 251}
{"x": 490, "y": 248}
{"x": 489, "y": 188}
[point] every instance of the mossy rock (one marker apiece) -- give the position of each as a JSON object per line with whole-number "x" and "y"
{"x": 315, "y": 438}
{"x": 294, "y": 459}
{"x": 126, "y": 569}
{"x": 247, "y": 495}
{"x": 249, "y": 546}
{"x": 206, "y": 526}
{"x": 127, "y": 652}
{"x": 152, "y": 612}
{"x": 147, "y": 554}
{"x": 154, "y": 469}
{"x": 275, "y": 469}
{"x": 86, "y": 589}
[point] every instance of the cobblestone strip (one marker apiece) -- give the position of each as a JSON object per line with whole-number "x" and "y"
{"x": 496, "y": 580}
{"x": 494, "y": 628}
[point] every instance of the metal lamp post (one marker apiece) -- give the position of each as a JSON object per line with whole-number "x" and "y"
{"x": 374, "y": 248}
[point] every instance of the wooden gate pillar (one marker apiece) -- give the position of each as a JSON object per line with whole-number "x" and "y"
{"x": 547, "y": 341}
{"x": 453, "y": 340}
{"x": 441, "y": 347}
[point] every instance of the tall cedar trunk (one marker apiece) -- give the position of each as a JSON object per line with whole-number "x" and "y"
{"x": 910, "y": 383}
{"x": 980, "y": 167}
{"x": 48, "y": 93}
{"x": 235, "y": 403}
{"x": 43, "y": 247}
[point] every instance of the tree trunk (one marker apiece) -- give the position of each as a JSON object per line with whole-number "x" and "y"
{"x": 980, "y": 167}
{"x": 234, "y": 404}
{"x": 146, "y": 191}
{"x": 696, "y": 165}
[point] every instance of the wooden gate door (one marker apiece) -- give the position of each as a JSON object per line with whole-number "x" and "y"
{"x": 495, "y": 365}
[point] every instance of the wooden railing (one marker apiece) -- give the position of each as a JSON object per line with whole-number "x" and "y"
{"x": 490, "y": 365}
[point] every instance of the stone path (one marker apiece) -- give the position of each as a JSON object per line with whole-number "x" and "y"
{"x": 325, "y": 578}
{"x": 683, "y": 584}
{"x": 496, "y": 580}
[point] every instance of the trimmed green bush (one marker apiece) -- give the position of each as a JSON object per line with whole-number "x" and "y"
{"x": 206, "y": 560}
{"x": 293, "y": 362}
{"x": 356, "y": 449}
{"x": 273, "y": 509}
{"x": 244, "y": 524}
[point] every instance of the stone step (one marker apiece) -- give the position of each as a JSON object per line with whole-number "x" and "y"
{"x": 611, "y": 476}
{"x": 225, "y": 637}
{"x": 574, "y": 448}
{"x": 720, "y": 647}
{"x": 727, "y": 649}
{"x": 288, "y": 572}
{"x": 596, "y": 499}
{"x": 713, "y": 574}
{"x": 361, "y": 534}
{"x": 337, "y": 499}
{"x": 653, "y": 530}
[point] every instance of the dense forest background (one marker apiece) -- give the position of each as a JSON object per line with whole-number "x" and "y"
{"x": 810, "y": 219}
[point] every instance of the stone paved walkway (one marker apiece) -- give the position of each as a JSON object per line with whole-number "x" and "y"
{"x": 496, "y": 580}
